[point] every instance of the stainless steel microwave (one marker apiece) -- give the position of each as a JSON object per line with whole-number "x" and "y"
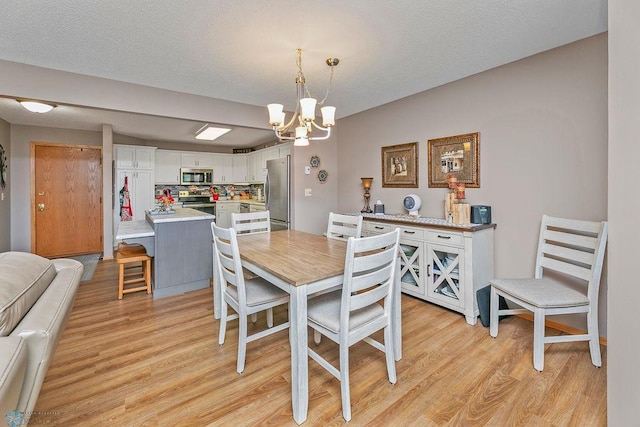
{"x": 190, "y": 176}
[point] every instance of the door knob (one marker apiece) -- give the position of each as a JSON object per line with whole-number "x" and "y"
{"x": 41, "y": 207}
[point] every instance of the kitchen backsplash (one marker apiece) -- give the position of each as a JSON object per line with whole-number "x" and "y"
{"x": 251, "y": 189}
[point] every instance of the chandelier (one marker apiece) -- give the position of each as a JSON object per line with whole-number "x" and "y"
{"x": 304, "y": 115}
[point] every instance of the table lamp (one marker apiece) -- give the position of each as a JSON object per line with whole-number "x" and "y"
{"x": 366, "y": 184}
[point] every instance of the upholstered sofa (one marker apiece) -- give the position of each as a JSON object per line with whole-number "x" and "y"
{"x": 36, "y": 297}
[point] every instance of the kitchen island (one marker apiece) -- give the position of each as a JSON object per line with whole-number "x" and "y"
{"x": 183, "y": 259}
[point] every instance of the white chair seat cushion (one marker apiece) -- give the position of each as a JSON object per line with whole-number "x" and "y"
{"x": 259, "y": 291}
{"x": 325, "y": 310}
{"x": 544, "y": 293}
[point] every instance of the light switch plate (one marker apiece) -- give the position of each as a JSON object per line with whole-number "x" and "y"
{"x": 307, "y": 192}
{"x": 307, "y": 170}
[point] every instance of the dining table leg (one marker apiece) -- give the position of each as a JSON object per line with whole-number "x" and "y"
{"x": 299, "y": 353}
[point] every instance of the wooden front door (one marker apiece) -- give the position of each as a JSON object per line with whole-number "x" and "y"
{"x": 66, "y": 200}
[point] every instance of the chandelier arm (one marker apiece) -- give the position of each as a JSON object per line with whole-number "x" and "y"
{"x": 286, "y": 127}
{"x": 320, "y": 138}
{"x": 317, "y": 126}
{"x": 282, "y": 137}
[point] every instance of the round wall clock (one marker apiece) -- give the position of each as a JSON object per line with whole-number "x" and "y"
{"x": 3, "y": 167}
{"x": 315, "y": 161}
{"x": 322, "y": 176}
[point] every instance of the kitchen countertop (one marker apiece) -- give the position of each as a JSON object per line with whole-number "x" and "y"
{"x": 424, "y": 222}
{"x": 182, "y": 214}
{"x": 250, "y": 201}
{"x": 134, "y": 229}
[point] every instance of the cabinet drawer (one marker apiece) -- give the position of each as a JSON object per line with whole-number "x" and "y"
{"x": 377, "y": 228}
{"x": 444, "y": 237}
{"x": 411, "y": 233}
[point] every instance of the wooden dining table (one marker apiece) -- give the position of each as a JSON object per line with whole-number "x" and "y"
{"x": 303, "y": 264}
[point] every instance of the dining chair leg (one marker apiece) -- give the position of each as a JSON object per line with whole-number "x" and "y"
{"x": 270, "y": 317}
{"x": 389, "y": 355}
{"x": 594, "y": 339}
{"x": 344, "y": 382}
{"x": 538, "y": 339}
{"x": 242, "y": 341}
{"x": 493, "y": 313}
{"x": 223, "y": 322}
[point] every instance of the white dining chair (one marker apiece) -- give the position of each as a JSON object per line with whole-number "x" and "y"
{"x": 245, "y": 297}
{"x": 251, "y": 222}
{"x": 341, "y": 226}
{"x": 570, "y": 250}
{"x": 354, "y": 313}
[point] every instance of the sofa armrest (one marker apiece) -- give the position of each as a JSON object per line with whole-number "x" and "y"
{"x": 13, "y": 365}
{"x": 42, "y": 327}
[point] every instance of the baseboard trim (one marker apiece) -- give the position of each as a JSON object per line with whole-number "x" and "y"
{"x": 561, "y": 327}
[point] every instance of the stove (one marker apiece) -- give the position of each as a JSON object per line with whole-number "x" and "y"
{"x": 199, "y": 200}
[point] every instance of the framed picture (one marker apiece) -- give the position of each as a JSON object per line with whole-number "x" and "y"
{"x": 455, "y": 155}
{"x": 400, "y": 165}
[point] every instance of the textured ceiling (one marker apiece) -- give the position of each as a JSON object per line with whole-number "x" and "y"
{"x": 245, "y": 50}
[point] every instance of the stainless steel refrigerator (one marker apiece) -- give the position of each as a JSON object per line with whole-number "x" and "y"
{"x": 277, "y": 188}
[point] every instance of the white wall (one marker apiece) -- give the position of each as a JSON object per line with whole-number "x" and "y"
{"x": 623, "y": 375}
{"x": 543, "y": 147}
{"x": 5, "y": 193}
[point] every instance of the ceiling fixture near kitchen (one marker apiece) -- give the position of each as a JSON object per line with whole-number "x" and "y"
{"x": 37, "y": 107}
{"x": 210, "y": 133}
{"x": 305, "y": 111}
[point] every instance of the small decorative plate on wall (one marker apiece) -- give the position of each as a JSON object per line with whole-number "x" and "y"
{"x": 315, "y": 161}
{"x": 322, "y": 176}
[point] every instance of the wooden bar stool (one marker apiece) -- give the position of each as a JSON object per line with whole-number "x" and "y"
{"x": 127, "y": 274}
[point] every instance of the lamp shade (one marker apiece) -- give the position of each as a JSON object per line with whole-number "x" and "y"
{"x": 276, "y": 115}
{"x": 328, "y": 116}
{"x": 308, "y": 108}
{"x": 366, "y": 183}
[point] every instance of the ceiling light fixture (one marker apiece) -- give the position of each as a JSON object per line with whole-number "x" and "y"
{"x": 37, "y": 107}
{"x": 210, "y": 133}
{"x": 305, "y": 111}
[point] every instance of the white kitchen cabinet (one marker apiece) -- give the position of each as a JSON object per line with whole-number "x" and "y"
{"x": 254, "y": 167}
{"x": 167, "y": 167}
{"x": 439, "y": 262}
{"x": 239, "y": 162}
{"x": 134, "y": 157}
{"x": 284, "y": 150}
{"x": 222, "y": 168}
{"x": 196, "y": 160}
{"x": 224, "y": 211}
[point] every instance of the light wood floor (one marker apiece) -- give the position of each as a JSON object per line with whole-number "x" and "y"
{"x": 141, "y": 361}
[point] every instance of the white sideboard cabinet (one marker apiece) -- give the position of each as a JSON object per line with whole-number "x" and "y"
{"x": 442, "y": 263}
